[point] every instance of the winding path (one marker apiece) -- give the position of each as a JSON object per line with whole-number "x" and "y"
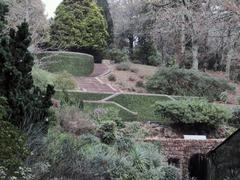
{"x": 93, "y": 83}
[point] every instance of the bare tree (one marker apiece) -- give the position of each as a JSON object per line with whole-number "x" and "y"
{"x": 33, "y": 12}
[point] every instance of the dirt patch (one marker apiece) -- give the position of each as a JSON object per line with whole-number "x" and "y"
{"x": 127, "y": 81}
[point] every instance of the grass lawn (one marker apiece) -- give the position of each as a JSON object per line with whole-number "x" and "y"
{"x": 89, "y": 107}
{"x": 141, "y": 104}
{"x": 76, "y": 64}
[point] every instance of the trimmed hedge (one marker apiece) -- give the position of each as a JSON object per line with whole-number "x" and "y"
{"x": 142, "y": 104}
{"x": 182, "y": 82}
{"x": 77, "y": 64}
{"x": 75, "y": 97}
{"x": 192, "y": 112}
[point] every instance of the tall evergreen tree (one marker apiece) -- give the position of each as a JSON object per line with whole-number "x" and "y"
{"x": 27, "y": 103}
{"x": 79, "y": 24}
{"x": 106, "y": 12}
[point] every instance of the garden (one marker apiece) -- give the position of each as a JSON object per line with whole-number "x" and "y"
{"x": 151, "y": 79}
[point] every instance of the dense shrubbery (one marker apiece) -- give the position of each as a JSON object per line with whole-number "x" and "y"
{"x": 86, "y": 157}
{"x": 13, "y": 151}
{"x": 192, "y": 112}
{"x": 116, "y": 55}
{"x": 174, "y": 81}
{"x": 124, "y": 66}
{"x": 79, "y": 24}
{"x": 60, "y": 81}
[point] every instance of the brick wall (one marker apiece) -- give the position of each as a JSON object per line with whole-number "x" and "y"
{"x": 182, "y": 150}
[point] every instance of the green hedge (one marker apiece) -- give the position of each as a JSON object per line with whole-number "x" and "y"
{"x": 124, "y": 114}
{"x": 75, "y": 97}
{"x": 76, "y": 64}
{"x": 192, "y": 112}
{"x": 142, "y": 104}
{"x": 182, "y": 82}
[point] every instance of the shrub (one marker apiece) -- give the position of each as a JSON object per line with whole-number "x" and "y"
{"x": 223, "y": 97}
{"x": 175, "y": 81}
{"x": 61, "y": 81}
{"x": 134, "y": 70}
{"x": 139, "y": 84}
{"x": 108, "y": 115}
{"x": 192, "y": 112}
{"x": 75, "y": 121}
{"x": 117, "y": 55}
{"x": 64, "y": 81}
{"x": 123, "y": 66}
{"x": 107, "y": 132}
{"x": 171, "y": 173}
{"x": 112, "y": 77}
{"x": 13, "y": 151}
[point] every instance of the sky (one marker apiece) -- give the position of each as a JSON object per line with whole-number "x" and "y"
{"x": 50, "y": 7}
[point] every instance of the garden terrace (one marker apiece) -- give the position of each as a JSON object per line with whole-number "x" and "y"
{"x": 77, "y": 64}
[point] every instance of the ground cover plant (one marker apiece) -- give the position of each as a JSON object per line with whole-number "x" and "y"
{"x": 76, "y": 64}
{"x": 60, "y": 81}
{"x": 182, "y": 82}
{"x": 192, "y": 112}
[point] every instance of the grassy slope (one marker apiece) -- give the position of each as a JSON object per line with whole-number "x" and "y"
{"x": 76, "y": 64}
{"x": 141, "y": 104}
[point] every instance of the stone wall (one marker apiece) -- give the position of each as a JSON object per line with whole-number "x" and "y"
{"x": 179, "y": 151}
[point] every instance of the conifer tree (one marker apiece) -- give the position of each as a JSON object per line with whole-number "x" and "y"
{"x": 79, "y": 24}
{"x": 28, "y": 105}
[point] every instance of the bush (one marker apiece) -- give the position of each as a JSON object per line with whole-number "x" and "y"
{"x": 223, "y": 97}
{"x": 112, "y": 77}
{"x": 13, "y": 151}
{"x": 174, "y": 81}
{"x": 75, "y": 121}
{"x": 108, "y": 115}
{"x": 139, "y": 84}
{"x": 117, "y": 55}
{"x": 107, "y": 132}
{"x": 61, "y": 81}
{"x": 171, "y": 173}
{"x": 123, "y": 66}
{"x": 192, "y": 112}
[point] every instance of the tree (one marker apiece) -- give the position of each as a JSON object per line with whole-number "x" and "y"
{"x": 79, "y": 25}
{"x": 28, "y": 105}
{"x": 106, "y": 12}
{"x": 33, "y": 12}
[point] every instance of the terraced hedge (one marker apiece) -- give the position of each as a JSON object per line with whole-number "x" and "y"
{"x": 76, "y": 97}
{"x": 77, "y": 64}
{"x": 142, "y": 104}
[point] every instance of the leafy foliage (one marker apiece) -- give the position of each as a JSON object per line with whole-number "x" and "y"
{"x": 12, "y": 148}
{"x": 27, "y": 103}
{"x": 61, "y": 81}
{"x": 174, "y": 81}
{"x": 79, "y": 24}
{"x": 86, "y": 157}
{"x": 192, "y": 112}
{"x": 117, "y": 55}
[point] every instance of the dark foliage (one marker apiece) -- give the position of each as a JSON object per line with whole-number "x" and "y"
{"x": 27, "y": 103}
{"x": 182, "y": 82}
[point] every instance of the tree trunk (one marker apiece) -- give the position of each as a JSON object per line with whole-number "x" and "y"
{"x": 183, "y": 40}
{"x": 131, "y": 41}
{"x": 195, "y": 48}
{"x": 228, "y": 63}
